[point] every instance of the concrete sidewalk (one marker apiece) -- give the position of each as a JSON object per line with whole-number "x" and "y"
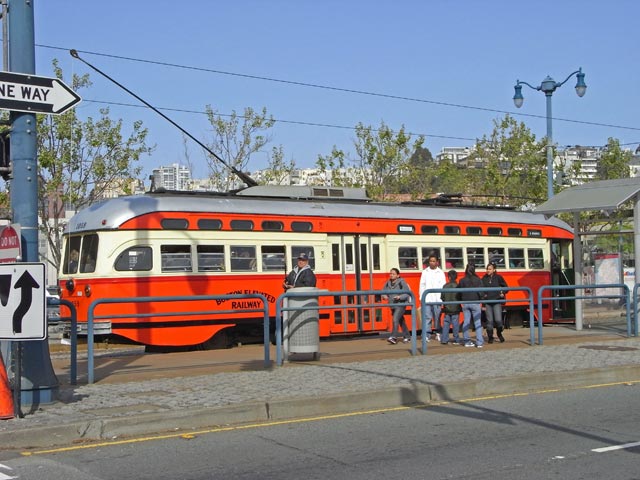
{"x": 137, "y": 394}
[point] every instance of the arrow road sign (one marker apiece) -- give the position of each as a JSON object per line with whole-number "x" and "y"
{"x": 28, "y": 93}
{"x": 22, "y": 302}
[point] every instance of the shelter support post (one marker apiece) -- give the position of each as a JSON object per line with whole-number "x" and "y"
{"x": 636, "y": 254}
{"x": 577, "y": 265}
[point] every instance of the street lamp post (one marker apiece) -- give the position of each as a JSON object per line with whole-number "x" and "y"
{"x": 548, "y": 86}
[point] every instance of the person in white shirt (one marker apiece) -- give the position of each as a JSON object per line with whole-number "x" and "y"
{"x": 432, "y": 277}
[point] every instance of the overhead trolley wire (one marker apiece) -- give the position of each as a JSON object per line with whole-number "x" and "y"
{"x": 338, "y": 89}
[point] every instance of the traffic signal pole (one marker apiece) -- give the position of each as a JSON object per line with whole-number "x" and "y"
{"x": 38, "y": 380}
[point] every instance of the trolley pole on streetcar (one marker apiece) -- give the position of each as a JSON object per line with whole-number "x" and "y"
{"x": 38, "y": 381}
{"x": 548, "y": 86}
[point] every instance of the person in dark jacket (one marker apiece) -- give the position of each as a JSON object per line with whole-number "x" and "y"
{"x": 301, "y": 275}
{"x": 493, "y": 309}
{"x": 451, "y": 310}
{"x": 396, "y": 282}
{"x": 472, "y": 311}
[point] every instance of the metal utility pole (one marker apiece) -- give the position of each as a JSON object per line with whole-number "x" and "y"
{"x": 38, "y": 382}
{"x": 5, "y": 44}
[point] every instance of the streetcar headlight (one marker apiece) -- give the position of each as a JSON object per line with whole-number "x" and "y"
{"x": 70, "y": 284}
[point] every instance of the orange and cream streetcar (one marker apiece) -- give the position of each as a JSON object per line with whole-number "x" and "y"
{"x": 192, "y": 244}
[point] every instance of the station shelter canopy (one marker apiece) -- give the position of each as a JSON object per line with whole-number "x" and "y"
{"x": 605, "y": 195}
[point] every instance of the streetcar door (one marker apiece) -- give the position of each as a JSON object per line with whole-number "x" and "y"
{"x": 356, "y": 266}
{"x": 563, "y": 273}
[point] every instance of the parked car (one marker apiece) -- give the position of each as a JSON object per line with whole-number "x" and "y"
{"x": 53, "y": 305}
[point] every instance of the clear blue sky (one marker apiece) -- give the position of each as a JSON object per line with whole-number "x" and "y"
{"x": 464, "y": 52}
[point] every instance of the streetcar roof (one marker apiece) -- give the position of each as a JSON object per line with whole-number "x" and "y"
{"x": 110, "y": 214}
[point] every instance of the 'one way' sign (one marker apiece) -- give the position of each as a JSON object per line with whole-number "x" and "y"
{"x": 22, "y": 301}
{"x": 29, "y": 93}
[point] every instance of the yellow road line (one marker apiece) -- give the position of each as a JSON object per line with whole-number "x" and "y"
{"x": 192, "y": 434}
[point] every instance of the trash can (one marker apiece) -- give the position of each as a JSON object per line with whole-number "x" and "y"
{"x": 301, "y": 330}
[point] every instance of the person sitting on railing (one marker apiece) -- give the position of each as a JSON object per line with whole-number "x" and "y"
{"x": 398, "y": 307}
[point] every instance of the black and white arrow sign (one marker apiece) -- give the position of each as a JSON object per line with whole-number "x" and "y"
{"x": 22, "y": 302}
{"x": 28, "y": 93}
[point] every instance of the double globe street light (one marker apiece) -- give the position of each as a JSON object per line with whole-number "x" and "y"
{"x": 548, "y": 86}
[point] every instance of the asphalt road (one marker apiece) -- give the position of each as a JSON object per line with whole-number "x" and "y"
{"x": 557, "y": 434}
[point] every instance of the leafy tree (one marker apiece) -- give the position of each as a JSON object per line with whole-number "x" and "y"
{"x": 278, "y": 170}
{"x": 421, "y": 157}
{"x": 235, "y": 139}
{"x": 79, "y": 161}
{"x": 333, "y": 171}
{"x": 449, "y": 178}
{"x": 514, "y": 163}
{"x": 614, "y": 162}
{"x": 4, "y": 203}
{"x": 382, "y": 158}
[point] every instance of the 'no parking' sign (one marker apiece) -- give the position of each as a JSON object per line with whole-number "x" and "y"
{"x": 22, "y": 302}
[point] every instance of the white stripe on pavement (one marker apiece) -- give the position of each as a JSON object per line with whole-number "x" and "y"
{"x": 616, "y": 447}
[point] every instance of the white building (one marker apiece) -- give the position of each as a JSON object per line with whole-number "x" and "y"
{"x": 586, "y": 157}
{"x": 173, "y": 177}
{"x": 456, "y": 155}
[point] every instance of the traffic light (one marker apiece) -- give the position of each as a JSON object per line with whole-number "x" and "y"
{"x": 5, "y": 159}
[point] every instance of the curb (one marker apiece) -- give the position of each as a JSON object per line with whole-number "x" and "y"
{"x": 108, "y": 429}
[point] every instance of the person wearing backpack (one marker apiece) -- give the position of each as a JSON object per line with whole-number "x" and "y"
{"x": 451, "y": 310}
{"x": 472, "y": 311}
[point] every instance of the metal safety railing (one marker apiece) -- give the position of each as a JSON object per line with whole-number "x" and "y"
{"x": 280, "y": 308}
{"x": 628, "y": 304}
{"x": 91, "y": 317}
{"x": 631, "y": 302}
{"x": 423, "y": 312}
{"x": 73, "y": 336}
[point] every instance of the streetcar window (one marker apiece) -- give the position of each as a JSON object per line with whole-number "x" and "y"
{"x": 408, "y": 258}
{"x": 301, "y": 226}
{"x": 494, "y": 231}
{"x": 474, "y": 231}
{"x": 71, "y": 255}
{"x": 134, "y": 259}
{"x": 452, "y": 230}
{"x": 496, "y": 255}
{"x": 376, "y": 256}
{"x": 348, "y": 257}
{"x": 364, "y": 263}
{"x": 273, "y": 258}
{"x": 335, "y": 257}
{"x": 243, "y": 259}
{"x": 514, "y": 232}
{"x": 272, "y": 225}
{"x": 297, "y": 250}
{"x": 427, "y": 252}
{"x": 453, "y": 258}
{"x": 475, "y": 256}
{"x": 176, "y": 258}
{"x": 174, "y": 223}
{"x": 210, "y": 258}
{"x": 209, "y": 224}
{"x": 242, "y": 225}
{"x": 516, "y": 258}
{"x": 429, "y": 229}
{"x": 536, "y": 258}
{"x": 89, "y": 253}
